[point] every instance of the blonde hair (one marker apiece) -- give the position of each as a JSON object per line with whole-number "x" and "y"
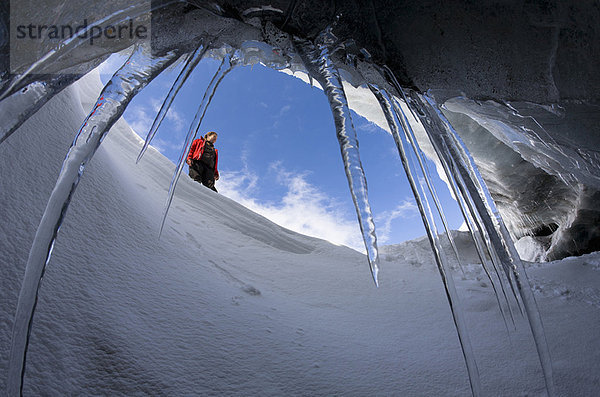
{"x": 209, "y": 134}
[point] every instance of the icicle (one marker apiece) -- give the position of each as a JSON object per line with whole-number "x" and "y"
{"x": 138, "y": 71}
{"x": 191, "y": 63}
{"x": 392, "y": 79}
{"x": 477, "y": 235}
{"x": 226, "y": 65}
{"x": 474, "y": 210}
{"x": 440, "y": 130}
{"x": 412, "y": 138}
{"x": 322, "y": 68}
{"x": 483, "y": 236}
{"x": 393, "y": 118}
{"x": 410, "y": 135}
{"x": 476, "y": 205}
{"x": 288, "y": 13}
{"x": 63, "y": 49}
{"x": 36, "y": 95}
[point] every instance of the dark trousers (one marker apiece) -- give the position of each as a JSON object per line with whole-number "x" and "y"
{"x": 204, "y": 174}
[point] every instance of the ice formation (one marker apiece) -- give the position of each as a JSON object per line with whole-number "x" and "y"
{"x": 321, "y": 67}
{"x": 138, "y": 71}
{"x": 271, "y": 36}
{"x": 192, "y": 61}
{"x": 227, "y": 64}
{"x": 541, "y": 158}
{"x": 398, "y": 121}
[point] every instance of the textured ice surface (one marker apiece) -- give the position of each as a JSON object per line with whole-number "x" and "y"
{"x": 542, "y": 168}
{"x": 572, "y": 163}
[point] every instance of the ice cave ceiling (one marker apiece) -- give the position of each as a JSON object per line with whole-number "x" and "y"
{"x": 492, "y": 53}
{"x": 542, "y": 51}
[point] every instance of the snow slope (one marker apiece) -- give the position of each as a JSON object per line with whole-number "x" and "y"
{"x": 226, "y": 302}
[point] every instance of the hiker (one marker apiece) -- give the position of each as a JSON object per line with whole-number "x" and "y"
{"x": 202, "y": 159}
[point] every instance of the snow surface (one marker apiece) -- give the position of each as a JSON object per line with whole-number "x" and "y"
{"x": 227, "y": 302}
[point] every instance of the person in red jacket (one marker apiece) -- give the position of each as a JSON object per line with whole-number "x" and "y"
{"x": 202, "y": 159}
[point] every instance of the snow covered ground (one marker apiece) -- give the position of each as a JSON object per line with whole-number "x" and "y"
{"x": 228, "y": 303}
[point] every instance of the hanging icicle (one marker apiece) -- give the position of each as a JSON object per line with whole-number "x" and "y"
{"x": 440, "y": 131}
{"x": 469, "y": 212}
{"x": 320, "y": 66}
{"x": 134, "y": 75}
{"x": 34, "y": 97}
{"x": 410, "y": 136}
{"x": 426, "y": 176}
{"x": 190, "y": 64}
{"x": 477, "y": 236}
{"x": 134, "y": 10}
{"x": 396, "y": 121}
{"x": 229, "y": 61}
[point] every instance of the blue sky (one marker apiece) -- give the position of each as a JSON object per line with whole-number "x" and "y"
{"x": 278, "y": 152}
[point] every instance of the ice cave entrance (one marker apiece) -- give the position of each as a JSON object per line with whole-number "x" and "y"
{"x": 291, "y": 147}
{"x": 278, "y": 152}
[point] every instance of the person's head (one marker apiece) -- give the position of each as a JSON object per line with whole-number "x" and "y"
{"x": 211, "y": 136}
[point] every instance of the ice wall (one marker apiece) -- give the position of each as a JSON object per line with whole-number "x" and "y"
{"x": 542, "y": 166}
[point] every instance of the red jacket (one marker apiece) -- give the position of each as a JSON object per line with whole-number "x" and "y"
{"x": 197, "y": 149}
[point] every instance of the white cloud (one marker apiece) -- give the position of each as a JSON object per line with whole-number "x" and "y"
{"x": 175, "y": 117}
{"x": 172, "y": 114}
{"x": 303, "y": 208}
{"x": 406, "y": 209}
{"x": 139, "y": 119}
{"x": 284, "y": 110}
{"x": 281, "y": 116}
{"x": 156, "y": 104}
{"x": 162, "y": 146}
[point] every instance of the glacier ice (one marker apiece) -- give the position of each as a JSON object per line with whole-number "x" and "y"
{"x": 50, "y": 61}
{"x": 33, "y": 98}
{"x": 553, "y": 170}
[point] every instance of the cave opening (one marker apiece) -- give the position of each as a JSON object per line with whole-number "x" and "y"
{"x": 279, "y": 155}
